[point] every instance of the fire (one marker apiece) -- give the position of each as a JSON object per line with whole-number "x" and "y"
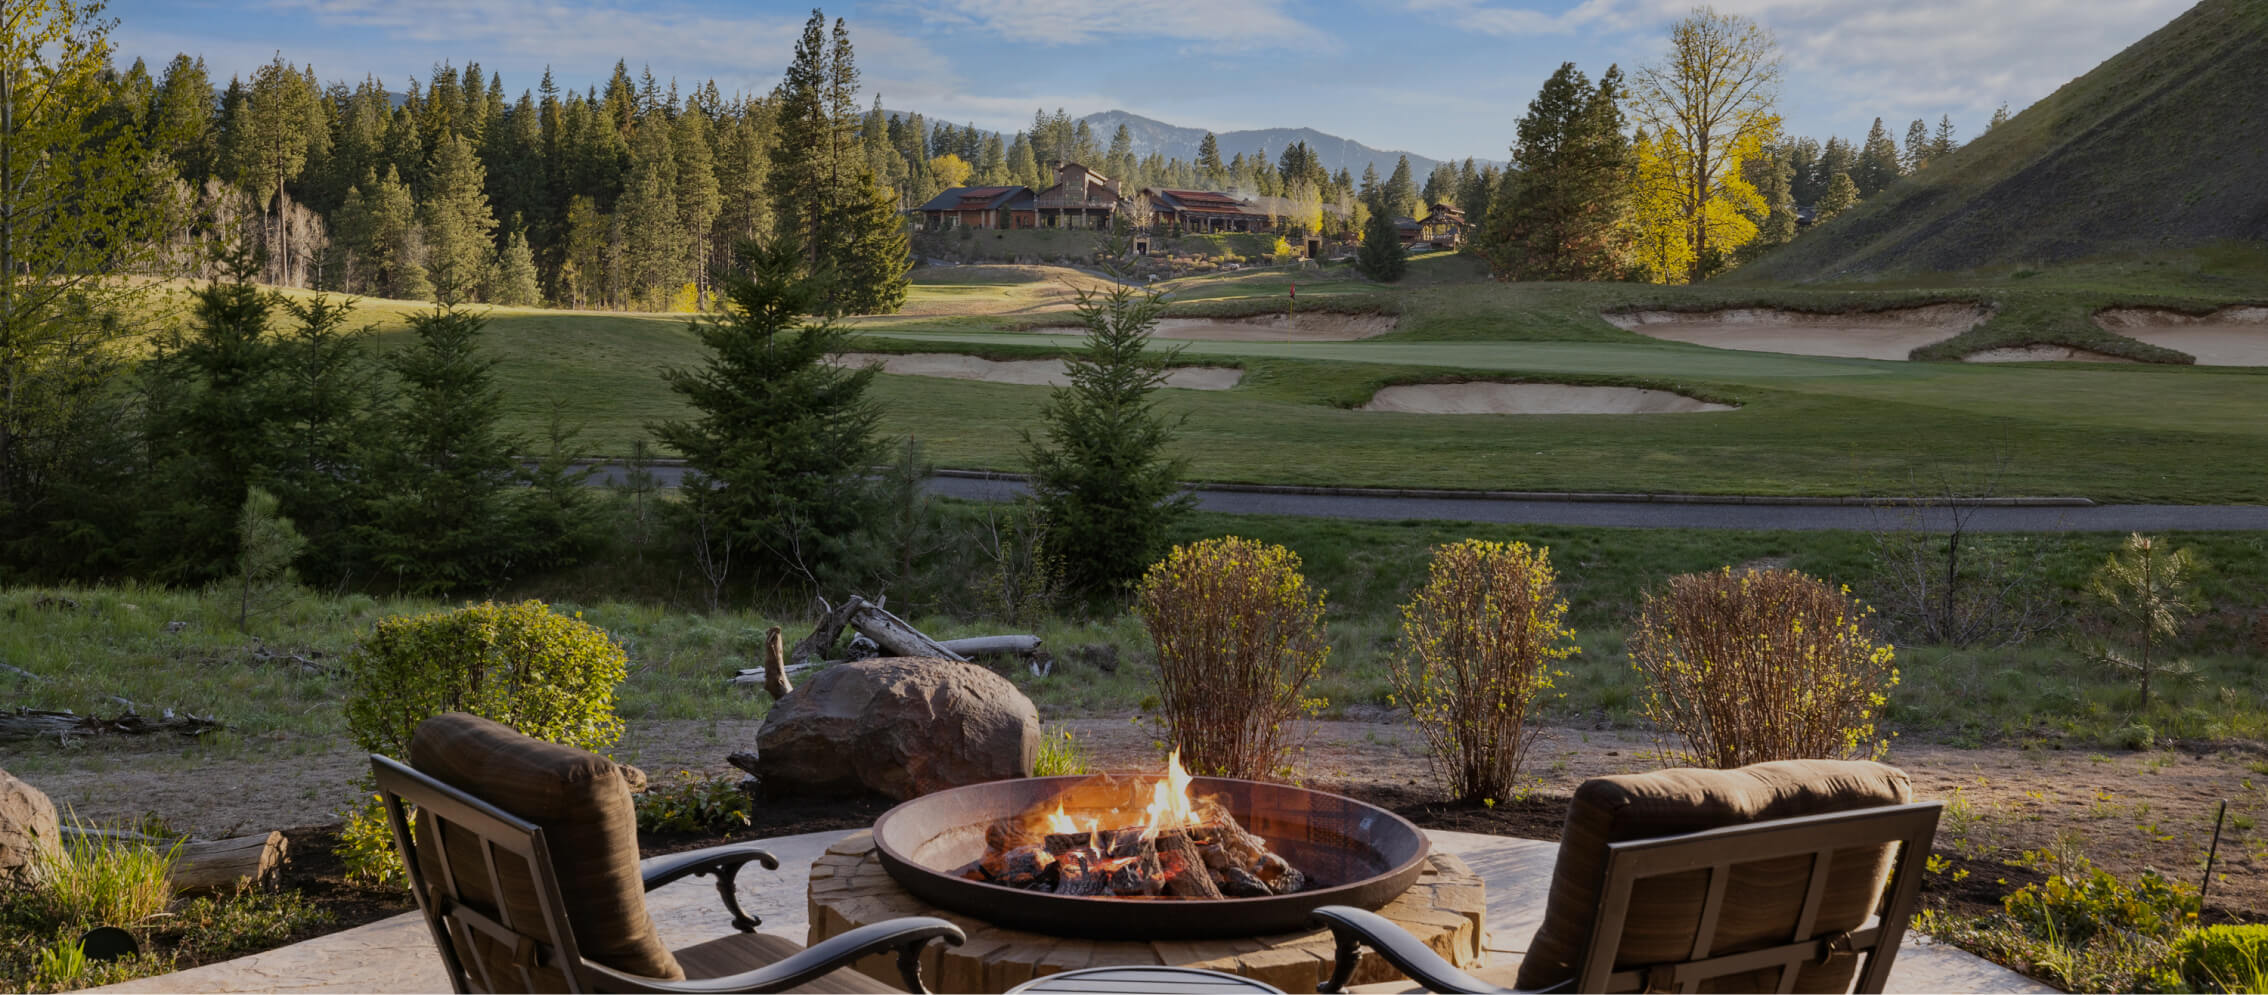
{"x": 1170, "y": 807}
{"x": 1057, "y": 822}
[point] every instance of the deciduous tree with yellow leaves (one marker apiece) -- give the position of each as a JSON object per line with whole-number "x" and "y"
{"x": 1708, "y": 109}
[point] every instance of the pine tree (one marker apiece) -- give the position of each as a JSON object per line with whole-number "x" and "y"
{"x": 279, "y": 124}
{"x": 1943, "y": 143}
{"x": 1842, "y": 193}
{"x": 1381, "y": 256}
{"x": 1775, "y": 186}
{"x": 744, "y": 209}
{"x": 656, "y": 250}
{"x": 459, "y": 229}
{"x": 1118, "y": 163}
{"x": 1999, "y": 117}
{"x": 1877, "y": 166}
{"x": 1561, "y": 215}
{"x": 1105, "y": 489}
{"x": 1401, "y": 190}
{"x": 394, "y": 253}
{"x": 582, "y": 272}
{"x": 515, "y": 282}
{"x": 323, "y": 398}
{"x": 802, "y": 164}
{"x": 1917, "y": 152}
{"x": 1209, "y": 161}
{"x": 1803, "y": 163}
{"x": 213, "y": 436}
{"x": 869, "y": 266}
{"x": 179, "y": 119}
{"x": 782, "y": 438}
{"x": 266, "y": 543}
{"x": 439, "y": 505}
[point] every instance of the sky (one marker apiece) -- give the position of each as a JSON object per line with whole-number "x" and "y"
{"x": 1441, "y": 78}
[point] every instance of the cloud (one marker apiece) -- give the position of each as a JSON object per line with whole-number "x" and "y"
{"x": 1241, "y": 23}
{"x": 1861, "y": 58}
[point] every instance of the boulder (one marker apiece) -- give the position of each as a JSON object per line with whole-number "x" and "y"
{"x": 27, "y": 827}
{"x": 900, "y": 726}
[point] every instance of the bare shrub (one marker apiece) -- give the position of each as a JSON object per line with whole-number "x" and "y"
{"x": 1477, "y": 646}
{"x": 1761, "y": 665}
{"x": 1938, "y": 583}
{"x": 1239, "y": 635}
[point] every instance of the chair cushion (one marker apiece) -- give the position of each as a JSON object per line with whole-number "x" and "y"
{"x": 582, "y": 802}
{"x": 737, "y": 952}
{"x": 1764, "y": 897}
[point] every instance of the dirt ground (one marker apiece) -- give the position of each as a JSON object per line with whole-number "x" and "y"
{"x": 1532, "y": 399}
{"x": 1859, "y": 335}
{"x": 1034, "y": 372}
{"x": 1316, "y": 327}
{"x": 2125, "y": 810}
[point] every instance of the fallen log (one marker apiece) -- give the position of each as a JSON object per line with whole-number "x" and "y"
{"x": 898, "y": 638}
{"x": 29, "y": 723}
{"x": 973, "y": 646}
{"x": 204, "y": 867}
{"x": 830, "y": 628}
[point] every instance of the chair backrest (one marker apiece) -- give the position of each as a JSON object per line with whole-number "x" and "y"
{"x": 1824, "y": 945}
{"x": 1708, "y": 880}
{"x": 523, "y": 857}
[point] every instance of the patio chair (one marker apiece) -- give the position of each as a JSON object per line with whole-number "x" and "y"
{"x": 1788, "y": 876}
{"x": 524, "y": 861}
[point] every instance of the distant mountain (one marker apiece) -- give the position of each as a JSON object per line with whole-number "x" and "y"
{"x": 2158, "y": 148}
{"x": 1176, "y": 142}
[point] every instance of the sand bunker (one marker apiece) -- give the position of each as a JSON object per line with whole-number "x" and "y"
{"x": 1318, "y": 327}
{"x": 1532, "y": 399}
{"x": 1857, "y": 335}
{"x": 2231, "y": 336}
{"x": 1032, "y": 372}
{"x": 2043, "y": 354}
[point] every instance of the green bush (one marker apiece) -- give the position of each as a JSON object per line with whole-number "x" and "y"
{"x": 694, "y": 804}
{"x": 1477, "y": 646}
{"x": 1761, "y": 665}
{"x": 2079, "y": 902}
{"x": 545, "y": 674}
{"x": 1239, "y": 635}
{"x": 366, "y": 846}
{"x": 2223, "y": 959}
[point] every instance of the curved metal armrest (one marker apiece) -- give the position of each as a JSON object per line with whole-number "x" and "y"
{"x": 907, "y": 936}
{"x": 724, "y": 862}
{"x": 1353, "y": 927}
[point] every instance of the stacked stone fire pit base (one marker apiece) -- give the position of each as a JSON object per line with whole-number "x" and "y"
{"x": 1447, "y": 908}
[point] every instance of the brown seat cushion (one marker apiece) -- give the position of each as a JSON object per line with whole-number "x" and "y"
{"x": 737, "y": 952}
{"x": 582, "y": 803}
{"x": 1764, "y": 897}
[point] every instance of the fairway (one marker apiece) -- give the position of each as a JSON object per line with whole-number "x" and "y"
{"x": 1804, "y": 425}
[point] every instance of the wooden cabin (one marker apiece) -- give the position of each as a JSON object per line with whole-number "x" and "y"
{"x": 979, "y": 207}
{"x": 1080, "y": 198}
{"x": 1444, "y": 225}
{"x": 1203, "y": 211}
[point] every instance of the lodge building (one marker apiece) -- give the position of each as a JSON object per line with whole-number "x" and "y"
{"x": 1085, "y": 199}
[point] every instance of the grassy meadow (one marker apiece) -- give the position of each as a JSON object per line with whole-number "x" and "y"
{"x": 2154, "y": 432}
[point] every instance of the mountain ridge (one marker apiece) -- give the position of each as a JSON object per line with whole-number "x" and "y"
{"x": 1174, "y": 141}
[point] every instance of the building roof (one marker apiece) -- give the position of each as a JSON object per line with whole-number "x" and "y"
{"x": 1204, "y": 201}
{"x": 972, "y": 198}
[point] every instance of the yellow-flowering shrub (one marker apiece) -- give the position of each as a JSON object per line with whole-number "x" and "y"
{"x": 542, "y": 673}
{"x": 1239, "y": 635}
{"x": 1761, "y": 665}
{"x": 1477, "y": 646}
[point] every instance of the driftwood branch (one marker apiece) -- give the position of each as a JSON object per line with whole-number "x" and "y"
{"x": 27, "y": 723}
{"x": 974, "y": 646}
{"x": 898, "y": 638}
{"x": 775, "y": 665}
{"x": 206, "y": 867}
{"x": 830, "y": 628}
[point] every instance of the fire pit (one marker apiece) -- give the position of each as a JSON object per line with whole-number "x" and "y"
{"x": 1135, "y": 858}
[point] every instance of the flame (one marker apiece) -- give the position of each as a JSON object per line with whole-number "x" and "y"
{"x": 1170, "y": 807}
{"x": 1057, "y": 822}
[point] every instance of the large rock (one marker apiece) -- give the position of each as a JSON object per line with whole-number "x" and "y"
{"x": 901, "y": 726}
{"x": 28, "y": 827}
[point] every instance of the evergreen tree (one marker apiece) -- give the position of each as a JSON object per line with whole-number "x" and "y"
{"x": 179, "y": 119}
{"x": 1209, "y": 165}
{"x": 1105, "y": 489}
{"x": 1401, "y": 191}
{"x": 515, "y": 283}
{"x": 1877, "y": 165}
{"x": 1836, "y": 157}
{"x": 1805, "y": 183}
{"x": 323, "y": 399}
{"x": 458, "y": 226}
{"x": 277, "y": 125}
{"x": 1561, "y": 215}
{"x": 439, "y": 506}
{"x": 1118, "y": 163}
{"x": 1381, "y": 256}
{"x": 395, "y": 246}
{"x": 802, "y": 166}
{"x": 869, "y": 267}
{"x": 655, "y": 250}
{"x": 266, "y": 543}
{"x": 1775, "y": 186}
{"x": 744, "y": 209}
{"x": 1917, "y": 152}
{"x": 208, "y": 426}
{"x": 1943, "y": 143}
{"x": 582, "y": 273}
{"x": 1842, "y": 193}
{"x": 782, "y": 438}
{"x": 1999, "y": 117}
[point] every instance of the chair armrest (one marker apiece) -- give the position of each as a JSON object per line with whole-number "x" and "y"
{"x": 1353, "y": 927}
{"x": 724, "y": 862}
{"x": 907, "y": 936}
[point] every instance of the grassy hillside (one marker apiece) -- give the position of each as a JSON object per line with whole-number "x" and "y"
{"x": 2158, "y": 148}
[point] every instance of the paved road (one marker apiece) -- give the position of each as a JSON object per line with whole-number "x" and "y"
{"x": 1654, "y": 514}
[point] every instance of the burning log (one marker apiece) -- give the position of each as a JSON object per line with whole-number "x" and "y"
{"x": 1186, "y": 874}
